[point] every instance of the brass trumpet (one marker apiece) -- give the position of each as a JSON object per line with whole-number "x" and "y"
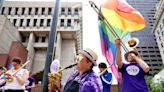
{"x": 133, "y": 42}
{"x": 55, "y": 77}
{"x": 9, "y": 77}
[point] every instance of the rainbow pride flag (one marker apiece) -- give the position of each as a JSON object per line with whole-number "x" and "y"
{"x": 108, "y": 47}
{"x": 123, "y": 18}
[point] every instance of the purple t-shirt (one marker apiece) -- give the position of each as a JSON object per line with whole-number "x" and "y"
{"x": 133, "y": 78}
{"x": 89, "y": 82}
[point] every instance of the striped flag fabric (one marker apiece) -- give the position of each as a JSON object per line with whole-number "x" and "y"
{"x": 123, "y": 18}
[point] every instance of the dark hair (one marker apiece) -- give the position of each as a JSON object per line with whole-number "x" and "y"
{"x": 126, "y": 55}
{"x": 102, "y": 65}
{"x": 17, "y": 60}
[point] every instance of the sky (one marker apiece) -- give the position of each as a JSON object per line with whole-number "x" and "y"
{"x": 90, "y": 28}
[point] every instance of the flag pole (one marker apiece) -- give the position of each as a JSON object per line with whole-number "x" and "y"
{"x": 101, "y": 16}
{"x": 52, "y": 38}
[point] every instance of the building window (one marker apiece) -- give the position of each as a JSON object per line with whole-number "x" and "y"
{"x": 36, "y": 11}
{"x": 62, "y": 11}
{"x": 37, "y": 39}
{"x": 153, "y": 60}
{"x": 9, "y": 10}
{"x": 28, "y": 22}
{"x": 76, "y": 11}
{"x": 16, "y": 10}
{"x": 158, "y": 55}
{"x": 49, "y": 11}
{"x": 41, "y": 22}
{"x": 43, "y": 10}
{"x": 69, "y": 11}
{"x": 150, "y": 47}
{"x": 62, "y": 22}
{"x": 2, "y": 12}
{"x": 69, "y": 22}
{"x": 23, "y": 10}
{"x": 35, "y": 21}
{"x": 21, "y": 22}
{"x": 29, "y": 10}
{"x": 162, "y": 45}
{"x": 14, "y": 21}
{"x": 43, "y": 39}
{"x": 145, "y": 56}
{"x": 23, "y": 39}
{"x": 48, "y": 22}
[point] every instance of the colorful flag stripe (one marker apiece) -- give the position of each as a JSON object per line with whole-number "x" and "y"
{"x": 108, "y": 47}
{"x": 123, "y": 16}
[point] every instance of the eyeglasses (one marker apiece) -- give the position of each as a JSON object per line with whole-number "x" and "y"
{"x": 79, "y": 58}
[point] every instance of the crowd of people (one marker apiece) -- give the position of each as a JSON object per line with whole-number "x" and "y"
{"x": 84, "y": 79}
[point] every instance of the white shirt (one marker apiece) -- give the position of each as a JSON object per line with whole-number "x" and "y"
{"x": 15, "y": 84}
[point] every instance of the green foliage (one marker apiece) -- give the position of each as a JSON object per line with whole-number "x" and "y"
{"x": 155, "y": 87}
{"x": 162, "y": 67}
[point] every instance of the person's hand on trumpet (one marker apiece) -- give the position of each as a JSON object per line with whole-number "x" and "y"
{"x": 54, "y": 78}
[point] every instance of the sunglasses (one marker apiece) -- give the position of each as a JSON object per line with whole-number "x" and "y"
{"x": 79, "y": 58}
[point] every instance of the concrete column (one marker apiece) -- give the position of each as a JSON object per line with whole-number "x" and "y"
{"x": 19, "y": 11}
{"x": 65, "y": 22}
{"x": 75, "y": 24}
{"x": 52, "y": 11}
{"x": 38, "y": 23}
{"x": 73, "y": 11}
{"x": 66, "y": 11}
{"x": 72, "y": 23}
{"x": 39, "y": 11}
{"x": 31, "y": 51}
{"x": 12, "y": 11}
{"x": 45, "y": 23}
{"x": 24, "y": 22}
{"x": 6, "y": 11}
{"x": 46, "y": 11}
{"x": 17, "y": 23}
{"x": 31, "y": 22}
{"x": 58, "y": 46}
{"x": 33, "y": 11}
{"x": 11, "y": 20}
{"x": 26, "y": 12}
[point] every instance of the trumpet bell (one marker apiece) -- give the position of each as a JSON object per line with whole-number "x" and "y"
{"x": 133, "y": 42}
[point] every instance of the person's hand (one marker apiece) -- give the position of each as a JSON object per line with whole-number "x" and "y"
{"x": 118, "y": 42}
{"x": 54, "y": 78}
{"x": 133, "y": 55}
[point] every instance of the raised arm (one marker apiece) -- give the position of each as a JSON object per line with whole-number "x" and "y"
{"x": 22, "y": 79}
{"x": 118, "y": 53}
{"x": 143, "y": 65}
